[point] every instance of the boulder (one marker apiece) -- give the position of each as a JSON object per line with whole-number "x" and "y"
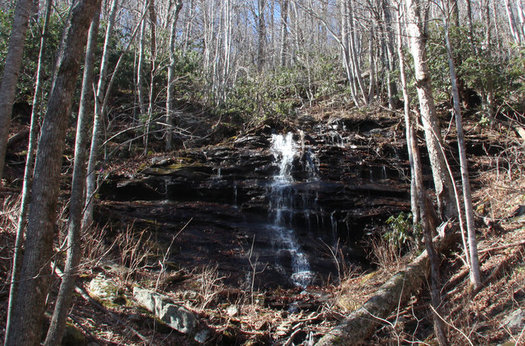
{"x": 103, "y": 288}
{"x": 175, "y": 316}
{"x": 515, "y": 321}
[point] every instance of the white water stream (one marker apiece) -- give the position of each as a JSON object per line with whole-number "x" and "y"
{"x": 281, "y": 209}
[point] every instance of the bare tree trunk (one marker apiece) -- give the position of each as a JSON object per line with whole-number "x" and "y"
{"x": 261, "y": 35}
{"x": 208, "y": 37}
{"x": 414, "y": 157}
{"x": 470, "y": 22}
{"x": 35, "y": 273}
{"x": 391, "y": 85}
{"x": 215, "y": 74}
{"x": 512, "y": 23}
{"x": 271, "y": 34}
{"x": 140, "y": 65}
{"x": 345, "y": 48}
{"x": 475, "y": 276}
{"x": 284, "y": 32}
{"x": 496, "y": 25}
{"x": 13, "y": 62}
{"x": 28, "y": 171}
{"x": 521, "y": 18}
{"x": 228, "y": 33}
{"x": 442, "y": 181}
{"x": 432, "y": 133}
{"x": 170, "y": 117}
{"x": 435, "y": 292}
{"x": 353, "y": 50}
{"x": 99, "y": 99}
{"x": 454, "y": 11}
{"x": 76, "y": 204}
{"x": 153, "y": 71}
{"x": 297, "y": 33}
{"x": 187, "y": 30}
{"x": 371, "y": 53}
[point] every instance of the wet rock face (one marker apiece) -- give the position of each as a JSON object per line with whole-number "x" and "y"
{"x": 344, "y": 180}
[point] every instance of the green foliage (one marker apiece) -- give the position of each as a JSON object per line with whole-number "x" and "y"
{"x": 401, "y": 233}
{"x": 481, "y": 68}
{"x": 31, "y": 50}
{"x": 278, "y": 93}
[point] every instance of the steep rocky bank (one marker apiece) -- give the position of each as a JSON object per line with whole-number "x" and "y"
{"x": 348, "y": 176}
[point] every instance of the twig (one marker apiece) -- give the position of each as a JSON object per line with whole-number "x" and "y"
{"x": 290, "y": 339}
{"x": 506, "y": 246}
{"x": 451, "y": 325}
{"x": 77, "y": 322}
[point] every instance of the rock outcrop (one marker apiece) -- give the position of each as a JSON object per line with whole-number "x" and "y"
{"x": 349, "y": 176}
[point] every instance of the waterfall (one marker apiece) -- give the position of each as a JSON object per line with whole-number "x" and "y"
{"x": 282, "y": 200}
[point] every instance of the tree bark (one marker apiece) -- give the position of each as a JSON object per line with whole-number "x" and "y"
{"x": 442, "y": 181}
{"x": 13, "y": 62}
{"x": 352, "y": 49}
{"x": 28, "y": 171}
{"x": 389, "y": 37}
{"x": 153, "y": 71}
{"x": 170, "y": 117}
{"x": 475, "y": 275}
{"x": 35, "y": 272}
{"x": 284, "y": 32}
{"x": 228, "y": 36}
{"x": 76, "y": 204}
{"x": 261, "y": 35}
{"x": 189, "y": 13}
{"x": 512, "y": 23}
{"x": 521, "y": 17}
{"x": 414, "y": 157}
{"x": 140, "y": 65}
{"x": 345, "y": 51}
{"x": 99, "y": 100}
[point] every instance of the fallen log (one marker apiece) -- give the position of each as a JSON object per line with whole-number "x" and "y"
{"x": 363, "y": 322}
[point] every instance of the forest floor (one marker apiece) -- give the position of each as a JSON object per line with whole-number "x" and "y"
{"x": 297, "y": 317}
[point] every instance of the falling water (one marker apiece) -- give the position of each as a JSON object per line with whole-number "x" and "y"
{"x": 281, "y": 196}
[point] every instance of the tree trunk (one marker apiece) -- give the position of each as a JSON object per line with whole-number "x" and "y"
{"x": 140, "y": 65}
{"x": 475, "y": 276}
{"x": 284, "y": 32}
{"x": 496, "y": 25}
{"x": 352, "y": 49}
{"x": 521, "y": 17}
{"x": 389, "y": 33}
{"x": 187, "y": 29}
{"x": 261, "y": 35}
{"x": 28, "y": 171}
{"x": 371, "y": 59}
{"x": 76, "y": 204}
{"x": 35, "y": 273}
{"x": 414, "y": 157}
{"x": 345, "y": 51}
{"x": 512, "y": 23}
{"x": 470, "y": 22}
{"x": 442, "y": 181}
{"x": 99, "y": 99}
{"x": 170, "y": 117}
{"x": 13, "y": 62}
{"x": 153, "y": 71}
{"x": 433, "y": 258}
